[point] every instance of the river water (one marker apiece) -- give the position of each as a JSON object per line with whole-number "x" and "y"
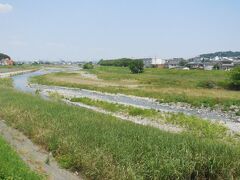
{"x": 21, "y": 83}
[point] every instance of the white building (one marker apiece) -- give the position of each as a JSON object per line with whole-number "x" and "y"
{"x": 154, "y": 62}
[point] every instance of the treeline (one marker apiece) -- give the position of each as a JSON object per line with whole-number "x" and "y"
{"x": 123, "y": 62}
{"x": 3, "y": 56}
{"x": 221, "y": 54}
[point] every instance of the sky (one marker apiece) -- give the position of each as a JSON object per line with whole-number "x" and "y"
{"x": 94, "y": 29}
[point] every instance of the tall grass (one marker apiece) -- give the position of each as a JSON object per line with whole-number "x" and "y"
{"x": 193, "y": 125}
{"x": 11, "y": 166}
{"x": 104, "y": 147}
{"x": 114, "y": 107}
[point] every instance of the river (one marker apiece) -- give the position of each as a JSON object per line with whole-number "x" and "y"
{"x": 21, "y": 83}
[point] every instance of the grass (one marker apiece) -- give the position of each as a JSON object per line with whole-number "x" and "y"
{"x": 4, "y": 69}
{"x": 192, "y": 87}
{"x": 11, "y": 166}
{"x": 193, "y": 125}
{"x": 103, "y": 147}
{"x": 114, "y": 107}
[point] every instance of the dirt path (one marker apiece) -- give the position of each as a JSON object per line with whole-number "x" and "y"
{"x": 38, "y": 159}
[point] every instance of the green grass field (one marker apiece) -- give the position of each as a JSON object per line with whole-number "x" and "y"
{"x": 11, "y": 166}
{"x": 103, "y": 147}
{"x": 196, "y": 87}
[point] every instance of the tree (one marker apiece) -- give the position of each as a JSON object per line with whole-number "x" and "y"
{"x": 216, "y": 66}
{"x": 183, "y": 63}
{"x": 136, "y": 66}
{"x": 88, "y": 66}
{"x": 235, "y": 78}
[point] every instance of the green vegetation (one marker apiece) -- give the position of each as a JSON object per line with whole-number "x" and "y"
{"x": 103, "y": 147}
{"x": 11, "y": 166}
{"x": 235, "y": 78}
{"x": 5, "y": 82}
{"x": 196, "y": 87}
{"x": 88, "y": 66}
{"x": 113, "y": 107}
{"x": 4, "y": 69}
{"x": 124, "y": 62}
{"x": 183, "y": 62}
{"x": 221, "y": 54}
{"x": 136, "y": 67}
{"x": 193, "y": 125}
{"x": 3, "y": 56}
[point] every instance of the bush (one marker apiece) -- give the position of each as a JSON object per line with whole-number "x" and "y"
{"x": 235, "y": 78}
{"x": 137, "y": 66}
{"x": 88, "y": 66}
{"x": 207, "y": 84}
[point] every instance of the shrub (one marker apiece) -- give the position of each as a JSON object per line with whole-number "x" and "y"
{"x": 235, "y": 78}
{"x": 137, "y": 66}
{"x": 88, "y": 66}
{"x": 207, "y": 84}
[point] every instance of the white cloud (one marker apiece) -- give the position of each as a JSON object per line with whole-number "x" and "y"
{"x": 5, "y": 8}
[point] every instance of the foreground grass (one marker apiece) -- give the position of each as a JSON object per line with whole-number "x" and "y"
{"x": 193, "y": 125}
{"x": 11, "y": 166}
{"x": 103, "y": 147}
{"x": 193, "y": 87}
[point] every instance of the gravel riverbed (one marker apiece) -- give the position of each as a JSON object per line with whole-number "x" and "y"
{"x": 227, "y": 118}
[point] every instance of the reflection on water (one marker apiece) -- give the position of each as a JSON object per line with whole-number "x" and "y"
{"x": 20, "y": 82}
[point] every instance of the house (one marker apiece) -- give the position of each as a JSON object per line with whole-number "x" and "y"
{"x": 153, "y": 62}
{"x": 226, "y": 64}
{"x": 173, "y": 63}
{"x": 6, "y": 62}
{"x": 208, "y": 66}
{"x": 195, "y": 65}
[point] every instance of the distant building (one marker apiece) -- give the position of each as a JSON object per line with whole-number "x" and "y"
{"x": 6, "y": 62}
{"x": 226, "y": 64}
{"x": 154, "y": 62}
{"x": 208, "y": 66}
{"x": 195, "y": 65}
{"x": 173, "y": 63}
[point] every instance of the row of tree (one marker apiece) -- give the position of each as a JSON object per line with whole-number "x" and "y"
{"x": 135, "y": 65}
{"x": 123, "y": 62}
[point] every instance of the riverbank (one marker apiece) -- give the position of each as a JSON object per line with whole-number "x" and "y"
{"x": 9, "y": 74}
{"x": 11, "y": 165}
{"x": 196, "y": 88}
{"x": 230, "y": 120}
{"x": 101, "y": 146}
{"x": 34, "y": 156}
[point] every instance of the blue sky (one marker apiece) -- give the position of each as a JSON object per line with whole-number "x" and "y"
{"x": 94, "y": 29}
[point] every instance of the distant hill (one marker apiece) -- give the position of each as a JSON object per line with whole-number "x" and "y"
{"x": 221, "y": 54}
{"x": 4, "y": 56}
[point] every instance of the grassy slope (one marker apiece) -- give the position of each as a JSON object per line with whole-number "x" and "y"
{"x": 195, "y": 126}
{"x": 104, "y": 147}
{"x": 162, "y": 84}
{"x": 11, "y": 166}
